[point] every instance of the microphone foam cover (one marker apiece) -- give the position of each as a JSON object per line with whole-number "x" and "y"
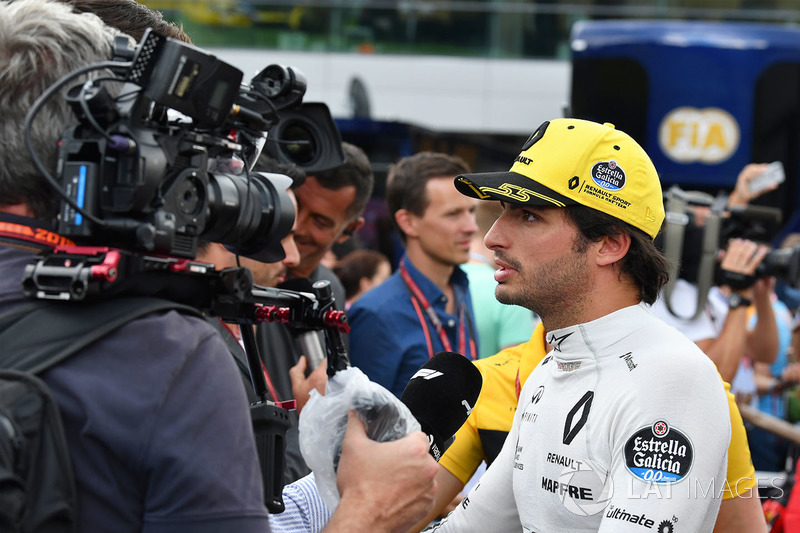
{"x": 441, "y": 395}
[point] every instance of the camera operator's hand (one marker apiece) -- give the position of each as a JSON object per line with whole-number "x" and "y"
{"x": 302, "y": 385}
{"x": 741, "y": 195}
{"x": 740, "y": 260}
{"x": 763, "y": 289}
{"x": 790, "y": 374}
{"x": 384, "y": 486}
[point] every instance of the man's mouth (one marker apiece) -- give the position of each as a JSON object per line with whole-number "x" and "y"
{"x": 506, "y": 268}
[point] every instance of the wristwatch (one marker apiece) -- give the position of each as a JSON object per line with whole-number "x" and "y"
{"x": 736, "y": 300}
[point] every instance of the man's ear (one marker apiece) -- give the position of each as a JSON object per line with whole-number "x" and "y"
{"x": 364, "y": 284}
{"x": 350, "y": 229}
{"x": 612, "y": 248}
{"x": 406, "y": 221}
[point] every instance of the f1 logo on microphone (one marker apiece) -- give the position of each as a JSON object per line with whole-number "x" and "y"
{"x": 426, "y": 373}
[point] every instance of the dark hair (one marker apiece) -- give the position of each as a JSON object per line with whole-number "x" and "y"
{"x": 644, "y": 264}
{"x": 355, "y": 171}
{"x": 405, "y": 184}
{"x": 356, "y": 265}
{"x": 130, "y": 17}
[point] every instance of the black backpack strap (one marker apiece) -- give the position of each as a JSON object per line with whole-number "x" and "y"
{"x": 38, "y": 335}
{"x": 239, "y": 356}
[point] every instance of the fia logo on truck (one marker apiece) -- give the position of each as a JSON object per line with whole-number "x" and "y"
{"x": 691, "y": 135}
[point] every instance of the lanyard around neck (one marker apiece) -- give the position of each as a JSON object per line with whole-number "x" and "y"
{"x": 18, "y": 230}
{"x": 419, "y": 299}
{"x": 237, "y": 336}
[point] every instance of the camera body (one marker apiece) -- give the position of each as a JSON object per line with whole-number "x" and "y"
{"x": 167, "y": 161}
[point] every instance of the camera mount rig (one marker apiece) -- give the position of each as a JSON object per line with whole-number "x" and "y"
{"x": 82, "y": 273}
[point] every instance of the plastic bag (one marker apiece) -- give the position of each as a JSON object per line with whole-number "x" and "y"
{"x": 324, "y": 420}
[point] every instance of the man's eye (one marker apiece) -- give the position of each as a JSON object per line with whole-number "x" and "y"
{"x": 528, "y": 216}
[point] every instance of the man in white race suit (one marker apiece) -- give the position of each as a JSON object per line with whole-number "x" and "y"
{"x": 624, "y": 426}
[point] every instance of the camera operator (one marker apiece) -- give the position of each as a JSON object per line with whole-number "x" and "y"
{"x": 720, "y": 330}
{"x": 329, "y": 210}
{"x": 154, "y": 443}
{"x": 154, "y": 413}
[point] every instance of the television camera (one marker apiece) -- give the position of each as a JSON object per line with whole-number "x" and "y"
{"x": 699, "y": 225}
{"x": 161, "y": 157}
{"x": 167, "y": 161}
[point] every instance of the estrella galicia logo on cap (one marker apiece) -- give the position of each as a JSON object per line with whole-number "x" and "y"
{"x": 608, "y": 175}
{"x": 659, "y": 454}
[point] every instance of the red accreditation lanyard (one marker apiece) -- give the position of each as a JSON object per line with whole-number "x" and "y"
{"x": 418, "y": 299}
{"x": 270, "y": 387}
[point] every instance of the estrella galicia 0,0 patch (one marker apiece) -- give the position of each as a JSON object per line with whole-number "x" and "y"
{"x": 659, "y": 453}
{"x": 608, "y": 175}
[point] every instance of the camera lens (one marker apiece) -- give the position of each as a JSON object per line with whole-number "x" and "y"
{"x": 250, "y": 216}
{"x": 297, "y": 142}
{"x": 783, "y": 263}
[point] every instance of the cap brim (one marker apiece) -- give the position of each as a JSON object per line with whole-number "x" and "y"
{"x": 510, "y": 187}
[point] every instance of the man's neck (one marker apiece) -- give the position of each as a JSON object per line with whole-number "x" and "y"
{"x": 602, "y": 300}
{"x": 21, "y": 210}
{"x": 436, "y": 271}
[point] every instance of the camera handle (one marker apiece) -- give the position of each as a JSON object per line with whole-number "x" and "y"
{"x": 270, "y": 423}
{"x": 675, "y": 228}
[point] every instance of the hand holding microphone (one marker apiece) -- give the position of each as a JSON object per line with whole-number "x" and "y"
{"x": 367, "y": 499}
{"x": 438, "y": 399}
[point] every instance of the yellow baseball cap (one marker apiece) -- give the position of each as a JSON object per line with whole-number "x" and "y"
{"x": 570, "y": 161}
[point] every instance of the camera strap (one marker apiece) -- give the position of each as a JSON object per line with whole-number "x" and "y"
{"x": 40, "y": 334}
{"x": 29, "y": 233}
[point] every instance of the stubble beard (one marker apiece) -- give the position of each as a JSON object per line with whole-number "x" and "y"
{"x": 550, "y": 289}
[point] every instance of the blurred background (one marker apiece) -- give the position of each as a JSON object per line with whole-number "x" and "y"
{"x": 706, "y": 86}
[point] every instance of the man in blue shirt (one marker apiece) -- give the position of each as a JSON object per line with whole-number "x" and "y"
{"x": 424, "y": 307}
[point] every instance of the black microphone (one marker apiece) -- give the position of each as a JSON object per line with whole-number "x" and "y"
{"x": 441, "y": 395}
